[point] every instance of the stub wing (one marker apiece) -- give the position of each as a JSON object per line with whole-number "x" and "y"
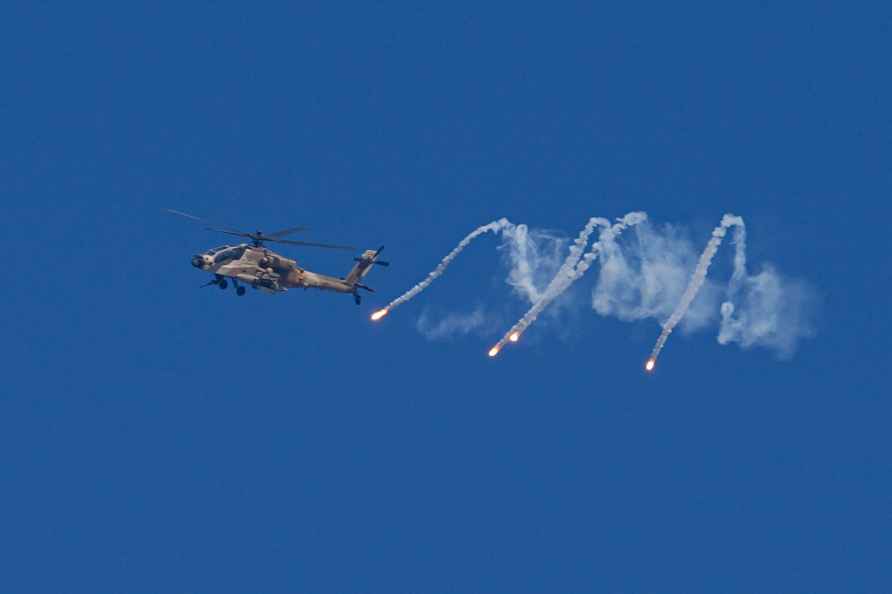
{"x": 250, "y": 273}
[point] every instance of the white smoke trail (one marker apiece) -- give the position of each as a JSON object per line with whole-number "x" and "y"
{"x": 699, "y": 276}
{"x": 493, "y": 227}
{"x": 671, "y": 283}
{"x": 739, "y": 252}
{"x": 533, "y": 256}
{"x": 770, "y": 311}
{"x": 521, "y": 276}
{"x": 574, "y": 266}
{"x": 453, "y": 324}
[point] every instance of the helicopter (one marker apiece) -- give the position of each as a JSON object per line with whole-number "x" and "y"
{"x": 254, "y": 265}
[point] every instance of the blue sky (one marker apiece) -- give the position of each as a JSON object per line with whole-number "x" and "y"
{"x": 155, "y": 437}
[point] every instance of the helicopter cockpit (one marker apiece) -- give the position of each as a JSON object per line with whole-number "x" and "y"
{"x": 218, "y": 256}
{"x": 227, "y": 253}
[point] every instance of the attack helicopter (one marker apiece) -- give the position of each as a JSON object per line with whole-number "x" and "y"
{"x": 254, "y": 265}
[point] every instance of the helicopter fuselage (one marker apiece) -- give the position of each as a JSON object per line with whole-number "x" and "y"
{"x": 264, "y": 269}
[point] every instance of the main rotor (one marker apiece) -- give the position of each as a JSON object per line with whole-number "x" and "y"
{"x": 258, "y": 238}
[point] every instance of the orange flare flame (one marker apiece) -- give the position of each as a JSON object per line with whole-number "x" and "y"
{"x": 379, "y": 314}
{"x": 515, "y": 336}
{"x": 494, "y": 351}
{"x": 649, "y": 366}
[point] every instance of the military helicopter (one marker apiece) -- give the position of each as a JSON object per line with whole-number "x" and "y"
{"x": 253, "y": 264}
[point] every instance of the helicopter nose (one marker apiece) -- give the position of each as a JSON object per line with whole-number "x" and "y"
{"x": 197, "y": 261}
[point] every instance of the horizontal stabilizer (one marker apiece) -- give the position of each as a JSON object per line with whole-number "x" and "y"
{"x": 373, "y": 262}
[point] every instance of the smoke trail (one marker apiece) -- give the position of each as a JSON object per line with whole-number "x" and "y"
{"x": 770, "y": 311}
{"x": 533, "y": 257}
{"x": 739, "y": 257}
{"x": 766, "y": 310}
{"x": 573, "y": 268}
{"x": 699, "y": 276}
{"x": 522, "y": 272}
{"x": 494, "y": 227}
{"x": 557, "y": 285}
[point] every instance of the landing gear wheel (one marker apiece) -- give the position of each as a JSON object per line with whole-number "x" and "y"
{"x": 239, "y": 291}
{"x": 223, "y": 284}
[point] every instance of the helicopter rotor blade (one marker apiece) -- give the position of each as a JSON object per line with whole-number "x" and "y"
{"x": 236, "y": 233}
{"x": 259, "y": 237}
{"x": 330, "y": 246}
{"x": 185, "y": 214}
{"x": 284, "y": 232}
{"x": 201, "y": 220}
{"x": 206, "y": 222}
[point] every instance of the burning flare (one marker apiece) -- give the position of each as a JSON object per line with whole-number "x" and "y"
{"x": 649, "y": 366}
{"x": 379, "y": 314}
{"x": 515, "y": 336}
{"x": 494, "y": 351}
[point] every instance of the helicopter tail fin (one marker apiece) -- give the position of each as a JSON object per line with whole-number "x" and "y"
{"x": 364, "y": 265}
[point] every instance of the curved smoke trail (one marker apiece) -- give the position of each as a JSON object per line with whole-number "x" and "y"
{"x": 699, "y": 276}
{"x": 727, "y": 307}
{"x": 574, "y": 266}
{"x": 494, "y": 227}
{"x": 764, "y": 310}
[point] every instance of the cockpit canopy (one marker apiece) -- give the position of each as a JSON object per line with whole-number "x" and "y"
{"x": 226, "y": 253}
